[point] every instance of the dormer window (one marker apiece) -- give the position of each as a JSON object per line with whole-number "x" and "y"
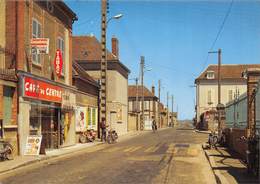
{"x": 210, "y": 75}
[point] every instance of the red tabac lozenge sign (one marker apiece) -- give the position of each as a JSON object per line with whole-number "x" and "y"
{"x": 41, "y": 90}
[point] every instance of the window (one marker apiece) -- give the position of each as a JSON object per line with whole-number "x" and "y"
{"x": 210, "y": 75}
{"x": 8, "y": 94}
{"x": 146, "y": 105}
{"x": 61, "y": 47}
{"x": 92, "y": 118}
{"x": 36, "y": 33}
{"x": 209, "y": 97}
{"x": 230, "y": 95}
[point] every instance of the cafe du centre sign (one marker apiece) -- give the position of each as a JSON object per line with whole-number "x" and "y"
{"x": 40, "y": 90}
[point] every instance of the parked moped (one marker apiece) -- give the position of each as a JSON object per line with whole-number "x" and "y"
{"x": 6, "y": 150}
{"x": 112, "y": 136}
{"x": 213, "y": 140}
{"x": 87, "y": 136}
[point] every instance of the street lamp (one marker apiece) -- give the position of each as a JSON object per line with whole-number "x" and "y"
{"x": 118, "y": 16}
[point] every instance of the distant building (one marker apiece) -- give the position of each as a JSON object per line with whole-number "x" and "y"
{"x": 232, "y": 83}
{"x": 87, "y": 53}
{"x": 135, "y": 108}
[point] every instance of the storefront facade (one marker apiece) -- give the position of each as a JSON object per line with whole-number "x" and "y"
{"x": 47, "y": 109}
{"x": 86, "y": 112}
{"x": 87, "y": 96}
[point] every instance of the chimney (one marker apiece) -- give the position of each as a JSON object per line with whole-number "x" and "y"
{"x": 153, "y": 90}
{"x": 115, "y": 50}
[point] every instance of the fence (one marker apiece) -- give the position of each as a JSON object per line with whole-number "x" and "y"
{"x": 236, "y": 111}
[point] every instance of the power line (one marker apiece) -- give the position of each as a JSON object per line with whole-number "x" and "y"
{"x": 219, "y": 32}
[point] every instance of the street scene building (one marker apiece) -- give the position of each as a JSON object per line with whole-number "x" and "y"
{"x": 87, "y": 53}
{"x": 147, "y": 106}
{"x": 135, "y": 104}
{"x": 232, "y": 85}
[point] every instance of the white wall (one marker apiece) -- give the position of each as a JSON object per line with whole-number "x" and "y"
{"x": 117, "y": 97}
{"x": 202, "y": 94}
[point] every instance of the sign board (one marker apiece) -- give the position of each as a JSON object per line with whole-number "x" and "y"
{"x": 40, "y": 90}
{"x": 81, "y": 119}
{"x": 58, "y": 63}
{"x": 68, "y": 100}
{"x": 40, "y": 45}
{"x": 33, "y": 145}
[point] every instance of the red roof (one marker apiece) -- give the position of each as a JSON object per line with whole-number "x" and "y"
{"x": 132, "y": 90}
{"x": 88, "y": 48}
{"x": 228, "y": 72}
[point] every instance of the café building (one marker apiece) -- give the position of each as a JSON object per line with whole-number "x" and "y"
{"x": 47, "y": 110}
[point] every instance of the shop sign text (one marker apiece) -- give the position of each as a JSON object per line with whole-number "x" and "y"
{"x": 58, "y": 63}
{"x": 41, "y": 90}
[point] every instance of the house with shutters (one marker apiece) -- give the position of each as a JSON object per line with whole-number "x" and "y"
{"x": 135, "y": 106}
{"x": 233, "y": 84}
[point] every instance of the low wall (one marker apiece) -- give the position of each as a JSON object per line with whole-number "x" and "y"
{"x": 234, "y": 140}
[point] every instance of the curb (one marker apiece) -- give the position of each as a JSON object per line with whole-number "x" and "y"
{"x": 202, "y": 132}
{"x": 219, "y": 177}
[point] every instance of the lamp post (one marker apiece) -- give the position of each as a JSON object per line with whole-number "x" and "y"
{"x": 103, "y": 81}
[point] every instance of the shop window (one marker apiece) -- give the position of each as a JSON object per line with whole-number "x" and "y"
{"x": 61, "y": 47}
{"x": 36, "y": 33}
{"x": 92, "y": 118}
{"x": 8, "y": 101}
{"x": 35, "y": 120}
{"x": 89, "y": 117}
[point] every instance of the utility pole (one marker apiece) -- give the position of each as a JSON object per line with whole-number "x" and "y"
{"x": 103, "y": 91}
{"x": 159, "y": 101}
{"x": 219, "y": 77}
{"x": 172, "y": 111}
{"x": 219, "y": 106}
{"x": 167, "y": 108}
{"x": 142, "y": 84}
{"x": 136, "y": 102}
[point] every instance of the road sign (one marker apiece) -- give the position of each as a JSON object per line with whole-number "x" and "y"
{"x": 40, "y": 45}
{"x": 58, "y": 63}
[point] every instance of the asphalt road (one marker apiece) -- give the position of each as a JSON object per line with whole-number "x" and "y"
{"x": 167, "y": 156}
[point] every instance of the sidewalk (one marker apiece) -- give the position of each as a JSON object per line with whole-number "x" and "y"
{"x": 20, "y": 161}
{"x": 228, "y": 168}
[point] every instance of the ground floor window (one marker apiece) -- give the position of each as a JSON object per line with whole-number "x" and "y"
{"x": 8, "y": 94}
{"x": 92, "y": 118}
{"x": 44, "y": 120}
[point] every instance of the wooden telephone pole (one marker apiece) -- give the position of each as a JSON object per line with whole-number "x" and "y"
{"x": 142, "y": 84}
{"x": 103, "y": 90}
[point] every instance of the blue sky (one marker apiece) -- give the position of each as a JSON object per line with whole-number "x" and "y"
{"x": 175, "y": 37}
